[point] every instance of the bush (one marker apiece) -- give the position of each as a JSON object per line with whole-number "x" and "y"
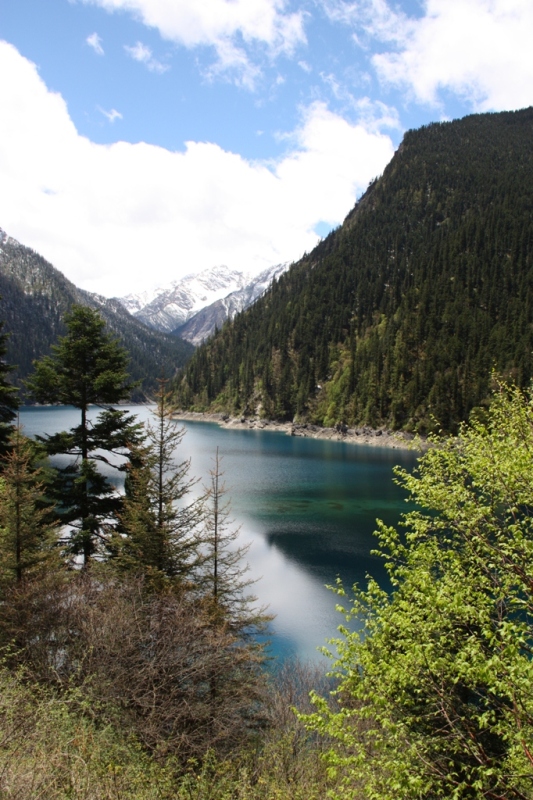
{"x": 436, "y": 690}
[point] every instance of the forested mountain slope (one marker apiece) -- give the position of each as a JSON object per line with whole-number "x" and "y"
{"x": 34, "y": 298}
{"x": 399, "y": 316}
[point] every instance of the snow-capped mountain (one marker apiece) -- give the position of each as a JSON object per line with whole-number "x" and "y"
{"x": 200, "y": 326}
{"x": 192, "y": 307}
{"x": 165, "y": 309}
{"x": 136, "y": 302}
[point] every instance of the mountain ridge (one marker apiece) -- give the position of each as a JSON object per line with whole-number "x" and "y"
{"x": 399, "y": 316}
{"x": 203, "y": 324}
{"x": 194, "y": 306}
{"x": 34, "y": 298}
{"x": 173, "y": 305}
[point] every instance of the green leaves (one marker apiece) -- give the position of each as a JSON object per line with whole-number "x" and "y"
{"x": 437, "y": 687}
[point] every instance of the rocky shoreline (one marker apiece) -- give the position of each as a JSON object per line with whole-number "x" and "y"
{"x": 380, "y": 437}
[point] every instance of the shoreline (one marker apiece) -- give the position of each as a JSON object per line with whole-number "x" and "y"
{"x": 380, "y": 437}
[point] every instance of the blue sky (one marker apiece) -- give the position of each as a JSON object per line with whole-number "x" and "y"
{"x": 141, "y": 140}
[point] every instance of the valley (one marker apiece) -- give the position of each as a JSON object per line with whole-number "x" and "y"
{"x": 124, "y": 578}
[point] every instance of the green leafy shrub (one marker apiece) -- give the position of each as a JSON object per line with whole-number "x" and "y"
{"x": 436, "y": 689}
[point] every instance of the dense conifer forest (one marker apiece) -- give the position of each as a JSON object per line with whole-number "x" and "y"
{"x": 400, "y": 316}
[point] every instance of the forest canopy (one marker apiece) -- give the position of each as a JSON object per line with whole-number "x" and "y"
{"x": 398, "y": 317}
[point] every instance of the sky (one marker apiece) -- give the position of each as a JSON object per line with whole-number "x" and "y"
{"x": 143, "y": 140}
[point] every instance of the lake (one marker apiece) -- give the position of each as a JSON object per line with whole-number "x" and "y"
{"x": 307, "y": 507}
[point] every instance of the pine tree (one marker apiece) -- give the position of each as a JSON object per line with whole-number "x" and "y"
{"x": 406, "y": 308}
{"x": 231, "y": 609}
{"x": 28, "y": 535}
{"x": 87, "y": 366}
{"x": 8, "y": 397}
{"x": 224, "y": 582}
{"x": 159, "y": 533}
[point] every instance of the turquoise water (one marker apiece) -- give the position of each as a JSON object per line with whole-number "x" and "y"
{"x": 306, "y": 507}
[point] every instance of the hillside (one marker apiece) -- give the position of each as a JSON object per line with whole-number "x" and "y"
{"x": 398, "y": 317}
{"x": 34, "y": 297}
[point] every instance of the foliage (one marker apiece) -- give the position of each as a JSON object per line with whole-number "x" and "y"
{"x": 54, "y": 747}
{"x": 436, "y": 688}
{"x": 116, "y": 683}
{"x": 51, "y": 751}
{"x": 223, "y": 569}
{"x": 87, "y": 366}
{"x": 230, "y": 608}
{"x": 28, "y": 536}
{"x": 185, "y": 556}
{"x": 8, "y": 396}
{"x": 146, "y": 659}
{"x": 158, "y": 534}
{"x": 399, "y": 316}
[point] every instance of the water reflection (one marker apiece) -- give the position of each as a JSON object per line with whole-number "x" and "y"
{"x": 307, "y": 508}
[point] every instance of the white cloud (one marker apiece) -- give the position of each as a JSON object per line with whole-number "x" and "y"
{"x": 374, "y": 17}
{"x": 139, "y": 52}
{"x": 376, "y": 115}
{"x": 233, "y": 64}
{"x": 112, "y": 115}
{"x": 118, "y": 218}
{"x": 95, "y": 42}
{"x": 142, "y": 53}
{"x": 478, "y": 49}
{"x": 232, "y": 27}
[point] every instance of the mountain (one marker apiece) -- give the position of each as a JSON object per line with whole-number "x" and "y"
{"x": 34, "y": 298}
{"x": 167, "y": 309}
{"x": 398, "y": 317}
{"x": 133, "y": 303}
{"x": 203, "y": 324}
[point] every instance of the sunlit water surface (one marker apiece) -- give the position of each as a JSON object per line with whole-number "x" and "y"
{"x": 306, "y": 507}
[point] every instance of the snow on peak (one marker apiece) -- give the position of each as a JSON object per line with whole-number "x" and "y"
{"x": 219, "y": 292}
{"x": 167, "y": 308}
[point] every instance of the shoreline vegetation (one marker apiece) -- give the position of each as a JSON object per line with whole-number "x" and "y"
{"x": 144, "y": 666}
{"x": 365, "y": 435}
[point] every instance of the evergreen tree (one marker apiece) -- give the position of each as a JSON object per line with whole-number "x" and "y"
{"x": 231, "y": 610}
{"x": 8, "y": 397}
{"x": 28, "y": 535}
{"x": 224, "y": 582}
{"x": 86, "y": 367}
{"x": 397, "y": 317}
{"x": 159, "y": 534}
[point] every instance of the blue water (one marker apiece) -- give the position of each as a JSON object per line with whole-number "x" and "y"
{"x": 307, "y": 508}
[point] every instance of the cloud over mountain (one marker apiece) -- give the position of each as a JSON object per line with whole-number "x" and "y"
{"x": 110, "y": 215}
